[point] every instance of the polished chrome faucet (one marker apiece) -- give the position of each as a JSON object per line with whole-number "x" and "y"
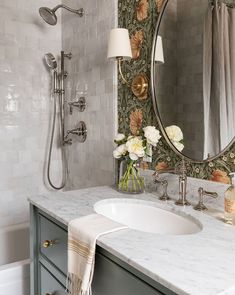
{"x": 181, "y": 170}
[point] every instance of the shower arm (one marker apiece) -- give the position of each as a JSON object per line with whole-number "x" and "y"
{"x": 80, "y": 11}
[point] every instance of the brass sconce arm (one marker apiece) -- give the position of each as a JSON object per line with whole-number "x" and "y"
{"x": 119, "y": 49}
{"x": 139, "y": 84}
{"x": 120, "y": 60}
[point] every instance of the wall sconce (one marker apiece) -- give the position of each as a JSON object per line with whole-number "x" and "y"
{"x": 159, "y": 54}
{"x": 119, "y": 49}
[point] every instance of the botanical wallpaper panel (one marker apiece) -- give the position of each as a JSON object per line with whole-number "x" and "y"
{"x": 139, "y": 17}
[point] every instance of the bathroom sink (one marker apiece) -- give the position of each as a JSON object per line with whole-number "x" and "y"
{"x": 145, "y": 216}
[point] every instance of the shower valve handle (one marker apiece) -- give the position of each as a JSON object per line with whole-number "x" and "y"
{"x": 80, "y": 131}
{"x": 80, "y": 104}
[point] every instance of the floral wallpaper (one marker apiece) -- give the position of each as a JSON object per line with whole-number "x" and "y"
{"x": 139, "y": 17}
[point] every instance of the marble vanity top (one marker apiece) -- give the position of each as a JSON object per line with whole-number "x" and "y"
{"x": 199, "y": 264}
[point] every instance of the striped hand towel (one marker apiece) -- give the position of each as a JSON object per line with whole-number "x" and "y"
{"x": 82, "y": 235}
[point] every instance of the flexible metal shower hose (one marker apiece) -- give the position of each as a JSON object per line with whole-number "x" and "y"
{"x": 64, "y": 160}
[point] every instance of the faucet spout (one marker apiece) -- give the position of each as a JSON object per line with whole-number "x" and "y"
{"x": 181, "y": 170}
{"x": 182, "y": 201}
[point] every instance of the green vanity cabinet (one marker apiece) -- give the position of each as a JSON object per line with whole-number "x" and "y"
{"x": 52, "y": 243}
{"x": 49, "y": 264}
{"x": 49, "y": 285}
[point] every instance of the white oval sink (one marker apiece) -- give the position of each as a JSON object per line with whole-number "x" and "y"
{"x": 143, "y": 216}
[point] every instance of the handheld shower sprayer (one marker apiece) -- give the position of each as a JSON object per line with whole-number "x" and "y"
{"x": 49, "y": 15}
{"x": 58, "y": 102}
{"x": 52, "y": 65}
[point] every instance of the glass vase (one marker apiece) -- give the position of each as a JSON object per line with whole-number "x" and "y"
{"x": 130, "y": 180}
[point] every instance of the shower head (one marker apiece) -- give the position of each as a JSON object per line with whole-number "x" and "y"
{"x": 49, "y": 15}
{"x": 50, "y": 61}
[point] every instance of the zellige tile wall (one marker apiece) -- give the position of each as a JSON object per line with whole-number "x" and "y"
{"x": 92, "y": 75}
{"x": 25, "y": 104}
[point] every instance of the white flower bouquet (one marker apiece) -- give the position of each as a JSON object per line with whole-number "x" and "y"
{"x": 131, "y": 149}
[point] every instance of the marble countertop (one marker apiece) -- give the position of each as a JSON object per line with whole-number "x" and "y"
{"x": 199, "y": 264}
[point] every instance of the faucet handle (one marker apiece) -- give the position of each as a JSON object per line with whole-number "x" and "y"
{"x": 164, "y": 184}
{"x": 202, "y": 193}
{"x": 165, "y": 196}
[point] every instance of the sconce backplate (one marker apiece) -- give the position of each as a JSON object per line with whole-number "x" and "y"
{"x": 139, "y": 86}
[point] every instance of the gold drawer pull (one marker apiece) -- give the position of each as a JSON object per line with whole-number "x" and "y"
{"x": 47, "y": 244}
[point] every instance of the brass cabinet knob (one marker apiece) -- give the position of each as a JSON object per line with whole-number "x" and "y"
{"x": 47, "y": 244}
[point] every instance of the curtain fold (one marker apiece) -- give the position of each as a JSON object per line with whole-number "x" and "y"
{"x": 219, "y": 78}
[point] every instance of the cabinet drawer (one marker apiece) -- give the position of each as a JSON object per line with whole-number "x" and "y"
{"x": 53, "y": 243}
{"x": 49, "y": 285}
{"x": 109, "y": 278}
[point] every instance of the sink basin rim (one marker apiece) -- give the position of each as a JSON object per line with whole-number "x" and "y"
{"x": 166, "y": 208}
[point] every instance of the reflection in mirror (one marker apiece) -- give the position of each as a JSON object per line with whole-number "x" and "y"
{"x": 194, "y": 75}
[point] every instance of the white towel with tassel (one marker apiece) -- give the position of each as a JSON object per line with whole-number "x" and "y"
{"x": 82, "y": 235}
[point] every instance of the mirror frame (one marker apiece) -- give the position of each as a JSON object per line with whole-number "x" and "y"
{"x": 154, "y": 98}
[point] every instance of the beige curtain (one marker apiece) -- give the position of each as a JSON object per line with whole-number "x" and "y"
{"x": 219, "y": 78}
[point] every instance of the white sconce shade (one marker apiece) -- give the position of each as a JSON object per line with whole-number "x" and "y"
{"x": 159, "y": 54}
{"x": 119, "y": 49}
{"x": 119, "y": 44}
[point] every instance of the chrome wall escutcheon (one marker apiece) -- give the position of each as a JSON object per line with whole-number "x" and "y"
{"x": 80, "y": 104}
{"x": 80, "y": 131}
